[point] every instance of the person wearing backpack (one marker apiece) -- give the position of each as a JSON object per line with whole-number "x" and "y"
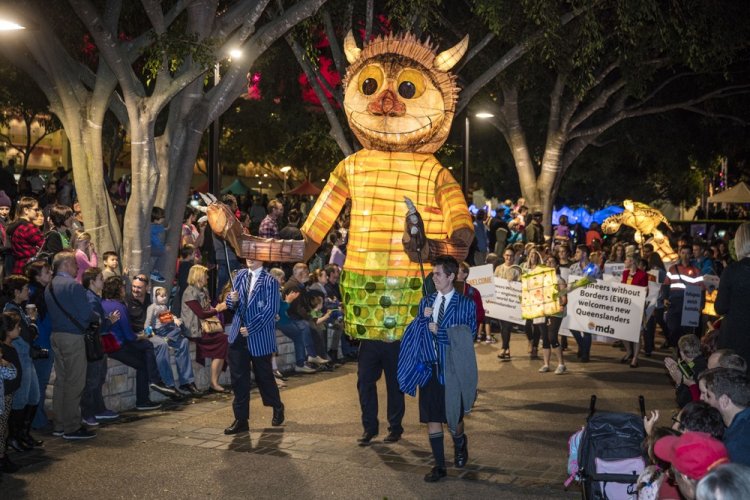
{"x": 25, "y": 238}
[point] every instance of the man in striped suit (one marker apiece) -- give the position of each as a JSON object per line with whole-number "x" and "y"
{"x": 423, "y": 359}
{"x": 252, "y": 341}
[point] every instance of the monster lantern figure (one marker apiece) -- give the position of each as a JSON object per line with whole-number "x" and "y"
{"x": 399, "y": 100}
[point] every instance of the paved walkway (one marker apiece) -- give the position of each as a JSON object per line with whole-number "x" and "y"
{"x": 518, "y": 440}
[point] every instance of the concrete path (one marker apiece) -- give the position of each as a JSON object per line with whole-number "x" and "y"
{"x": 518, "y": 435}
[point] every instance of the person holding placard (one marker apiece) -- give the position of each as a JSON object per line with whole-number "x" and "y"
{"x": 511, "y": 272}
{"x": 533, "y": 330}
{"x": 552, "y": 324}
{"x": 681, "y": 278}
{"x": 583, "y": 267}
{"x": 633, "y": 275}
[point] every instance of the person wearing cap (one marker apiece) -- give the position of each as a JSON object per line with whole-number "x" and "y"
{"x": 692, "y": 455}
{"x": 728, "y": 391}
{"x": 535, "y": 231}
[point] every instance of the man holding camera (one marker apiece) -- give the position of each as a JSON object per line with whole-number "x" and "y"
{"x": 686, "y": 370}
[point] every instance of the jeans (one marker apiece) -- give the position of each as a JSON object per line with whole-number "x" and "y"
{"x": 92, "y": 401}
{"x": 299, "y": 332}
{"x": 223, "y": 272}
{"x": 583, "y": 340}
{"x": 43, "y": 371}
{"x": 657, "y": 318}
{"x": 172, "y": 337}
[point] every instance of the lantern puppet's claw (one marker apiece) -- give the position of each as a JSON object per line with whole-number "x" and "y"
{"x": 226, "y": 226}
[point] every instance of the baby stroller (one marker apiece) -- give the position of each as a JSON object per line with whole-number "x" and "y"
{"x": 607, "y": 455}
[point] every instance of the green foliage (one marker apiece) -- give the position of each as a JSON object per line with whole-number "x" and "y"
{"x": 171, "y": 49}
{"x": 280, "y": 128}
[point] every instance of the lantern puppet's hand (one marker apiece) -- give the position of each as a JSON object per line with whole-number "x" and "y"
{"x": 226, "y": 226}
{"x": 416, "y": 244}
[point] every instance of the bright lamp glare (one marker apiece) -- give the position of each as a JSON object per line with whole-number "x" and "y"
{"x": 6, "y": 25}
{"x": 235, "y": 54}
{"x": 484, "y": 115}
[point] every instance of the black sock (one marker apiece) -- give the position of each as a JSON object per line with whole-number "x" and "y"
{"x": 438, "y": 449}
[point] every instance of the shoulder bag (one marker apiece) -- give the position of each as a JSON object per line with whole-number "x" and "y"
{"x": 91, "y": 337}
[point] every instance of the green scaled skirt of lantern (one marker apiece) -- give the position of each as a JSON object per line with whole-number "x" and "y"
{"x": 379, "y": 307}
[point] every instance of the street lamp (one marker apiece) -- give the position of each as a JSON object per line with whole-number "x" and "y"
{"x": 482, "y": 115}
{"x": 285, "y": 170}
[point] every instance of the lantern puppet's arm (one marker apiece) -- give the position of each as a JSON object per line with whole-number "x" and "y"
{"x": 456, "y": 223}
{"x": 226, "y": 226}
{"x": 326, "y": 210}
{"x": 457, "y": 245}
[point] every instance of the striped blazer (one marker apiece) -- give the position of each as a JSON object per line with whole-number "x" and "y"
{"x": 256, "y": 311}
{"x": 420, "y": 349}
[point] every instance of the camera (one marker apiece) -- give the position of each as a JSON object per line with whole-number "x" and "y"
{"x": 686, "y": 369}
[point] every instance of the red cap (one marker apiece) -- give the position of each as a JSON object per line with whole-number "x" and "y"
{"x": 693, "y": 453}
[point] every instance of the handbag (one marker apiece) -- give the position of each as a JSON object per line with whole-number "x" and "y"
{"x": 211, "y": 325}
{"x": 110, "y": 343}
{"x": 91, "y": 337}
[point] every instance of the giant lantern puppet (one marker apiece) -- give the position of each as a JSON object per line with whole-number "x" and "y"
{"x": 399, "y": 99}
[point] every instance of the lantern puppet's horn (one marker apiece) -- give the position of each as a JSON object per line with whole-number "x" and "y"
{"x": 350, "y": 48}
{"x": 205, "y": 199}
{"x": 449, "y": 58}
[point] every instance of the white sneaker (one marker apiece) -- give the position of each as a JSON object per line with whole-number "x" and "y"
{"x": 304, "y": 369}
{"x": 317, "y": 360}
{"x": 561, "y": 369}
{"x": 544, "y": 369}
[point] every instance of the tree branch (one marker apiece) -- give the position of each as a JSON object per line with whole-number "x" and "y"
{"x": 110, "y": 49}
{"x": 511, "y": 56}
{"x": 598, "y": 103}
{"x": 337, "y": 131}
{"x": 475, "y": 50}
{"x": 685, "y": 105}
{"x": 369, "y": 15}
{"x": 338, "y": 55}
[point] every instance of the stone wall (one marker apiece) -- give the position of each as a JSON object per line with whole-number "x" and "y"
{"x": 119, "y": 389}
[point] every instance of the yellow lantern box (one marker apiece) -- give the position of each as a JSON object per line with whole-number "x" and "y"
{"x": 539, "y": 293}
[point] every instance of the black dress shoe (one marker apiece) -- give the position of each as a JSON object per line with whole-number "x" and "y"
{"x": 191, "y": 389}
{"x": 223, "y": 390}
{"x": 279, "y": 375}
{"x": 366, "y": 438}
{"x": 237, "y": 427}
{"x": 462, "y": 453}
{"x": 278, "y": 416}
{"x": 18, "y": 444}
{"x": 435, "y": 475}
{"x": 392, "y": 437}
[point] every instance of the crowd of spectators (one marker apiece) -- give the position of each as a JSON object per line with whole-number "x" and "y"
{"x": 55, "y": 285}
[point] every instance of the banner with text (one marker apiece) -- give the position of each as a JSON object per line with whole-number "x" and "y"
{"x": 482, "y": 278}
{"x": 506, "y": 303}
{"x": 607, "y": 309}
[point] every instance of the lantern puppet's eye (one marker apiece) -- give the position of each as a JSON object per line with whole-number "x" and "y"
{"x": 370, "y": 79}
{"x": 410, "y": 84}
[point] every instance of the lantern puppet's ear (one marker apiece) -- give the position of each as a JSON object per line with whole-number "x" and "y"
{"x": 448, "y": 58}
{"x": 350, "y": 48}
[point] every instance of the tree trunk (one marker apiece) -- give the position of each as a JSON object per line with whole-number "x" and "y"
{"x": 136, "y": 253}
